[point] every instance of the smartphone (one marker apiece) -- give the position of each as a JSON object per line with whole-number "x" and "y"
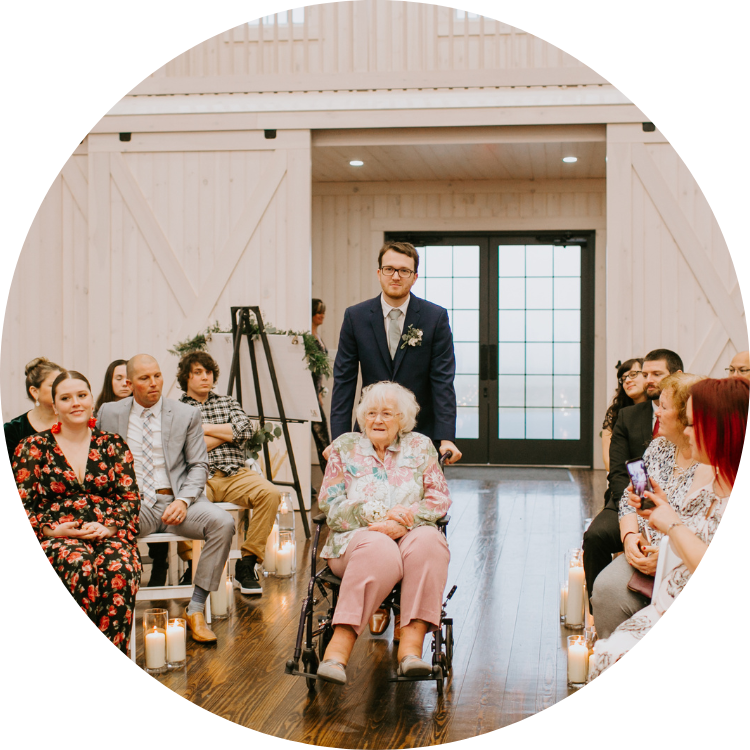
{"x": 639, "y": 478}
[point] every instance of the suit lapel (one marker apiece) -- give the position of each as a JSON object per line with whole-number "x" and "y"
{"x": 648, "y": 416}
{"x": 123, "y": 421}
{"x": 166, "y": 424}
{"x": 413, "y": 313}
{"x": 378, "y": 328}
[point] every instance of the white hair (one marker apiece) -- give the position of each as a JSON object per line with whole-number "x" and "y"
{"x": 378, "y": 394}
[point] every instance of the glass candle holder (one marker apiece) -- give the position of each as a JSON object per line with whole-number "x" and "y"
{"x": 578, "y": 661}
{"x": 563, "y": 601}
{"x": 286, "y": 555}
{"x": 155, "y": 640}
{"x": 286, "y": 513}
{"x": 219, "y": 600}
{"x": 176, "y": 648}
{"x": 576, "y": 590}
{"x": 272, "y": 544}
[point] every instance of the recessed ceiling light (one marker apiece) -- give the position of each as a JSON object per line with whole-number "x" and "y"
{"x": 570, "y": 159}
{"x": 356, "y": 163}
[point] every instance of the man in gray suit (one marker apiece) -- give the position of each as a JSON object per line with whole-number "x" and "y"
{"x": 171, "y": 466}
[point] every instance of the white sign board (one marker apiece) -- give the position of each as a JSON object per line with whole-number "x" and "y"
{"x": 294, "y": 379}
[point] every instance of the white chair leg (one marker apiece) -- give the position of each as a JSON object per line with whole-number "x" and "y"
{"x": 174, "y": 573}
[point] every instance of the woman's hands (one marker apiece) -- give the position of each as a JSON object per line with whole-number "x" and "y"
{"x": 663, "y": 515}
{"x": 78, "y": 530}
{"x": 402, "y": 515}
{"x": 392, "y": 529}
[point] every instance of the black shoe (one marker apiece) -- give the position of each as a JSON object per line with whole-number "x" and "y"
{"x": 187, "y": 576}
{"x": 158, "y": 575}
{"x": 246, "y": 576}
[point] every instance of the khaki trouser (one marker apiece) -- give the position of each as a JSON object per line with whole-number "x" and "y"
{"x": 248, "y": 489}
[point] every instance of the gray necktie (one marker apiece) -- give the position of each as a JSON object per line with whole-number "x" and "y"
{"x": 394, "y": 332}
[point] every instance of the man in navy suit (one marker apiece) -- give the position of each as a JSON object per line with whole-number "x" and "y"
{"x": 401, "y": 338}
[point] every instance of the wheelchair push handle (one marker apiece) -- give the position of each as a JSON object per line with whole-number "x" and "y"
{"x": 444, "y": 458}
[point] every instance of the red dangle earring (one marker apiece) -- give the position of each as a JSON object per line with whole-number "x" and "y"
{"x": 92, "y": 423}
{"x": 56, "y": 428}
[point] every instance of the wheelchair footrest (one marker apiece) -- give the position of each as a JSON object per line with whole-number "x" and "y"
{"x": 437, "y": 674}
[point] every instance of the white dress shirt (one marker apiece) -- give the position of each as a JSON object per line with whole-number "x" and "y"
{"x": 654, "y": 406}
{"x": 135, "y": 443}
{"x": 387, "y": 308}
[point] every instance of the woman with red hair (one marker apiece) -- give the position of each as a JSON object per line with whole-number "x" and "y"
{"x": 716, "y": 422}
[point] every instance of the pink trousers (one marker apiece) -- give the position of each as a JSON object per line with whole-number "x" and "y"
{"x": 373, "y": 564}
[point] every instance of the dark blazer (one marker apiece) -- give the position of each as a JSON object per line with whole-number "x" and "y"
{"x": 630, "y": 438}
{"x": 427, "y": 370}
{"x": 185, "y": 451}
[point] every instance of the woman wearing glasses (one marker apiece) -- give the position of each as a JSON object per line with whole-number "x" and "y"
{"x": 382, "y": 494}
{"x": 631, "y": 389}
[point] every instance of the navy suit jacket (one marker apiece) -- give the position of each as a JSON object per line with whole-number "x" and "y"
{"x": 427, "y": 370}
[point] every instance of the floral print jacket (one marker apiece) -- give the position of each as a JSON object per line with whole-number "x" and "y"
{"x": 359, "y": 488}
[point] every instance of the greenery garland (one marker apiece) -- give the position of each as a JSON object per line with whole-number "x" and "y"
{"x": 317, "y": 360}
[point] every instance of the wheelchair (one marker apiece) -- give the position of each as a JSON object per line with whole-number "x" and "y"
{"x": 311, "y": 653}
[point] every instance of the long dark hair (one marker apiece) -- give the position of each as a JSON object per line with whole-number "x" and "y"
{"x": 621, "y": 399}
{"x": 108, "y": 393}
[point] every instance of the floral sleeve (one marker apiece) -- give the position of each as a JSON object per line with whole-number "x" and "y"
{"x": 27, "y": 470}
{"x": 124, "y": 506}
{"x": 343, "y": 513}
{"x": 435, "y": 500}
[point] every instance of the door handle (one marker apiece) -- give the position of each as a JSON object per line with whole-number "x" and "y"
{"x": 484, "y": 362}
{"x": 492, "y": 357}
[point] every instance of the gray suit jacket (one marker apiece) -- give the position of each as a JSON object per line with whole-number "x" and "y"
{"x": 185, "y": 450}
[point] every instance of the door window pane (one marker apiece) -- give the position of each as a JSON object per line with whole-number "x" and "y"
{"x": 567, "y": 391}
{"x": 510, "y": 424}
{"x": 567, "y": 325}
{"x": 539, "y": 294}
{"x": 567, "y": 294}
{"x": 512, "y": 260}
{"x": 467, "y": 422}
{"x": 465, "y": 325}
{"x": 538, "y": 390}
{"x": 512, "y": 325}
{"x": 466, "y": 294}
{"x": 539, "y": 325}
{"x": 567, "y": 359}
{"x": 539, "y": 260}
{"x": 539, "y": 359}
{"x": 439, "y": 291}
{"x": 568, "y": 261}
{"x": 467, "y": 390}
{"x": 439, "y": 261}
{"x": 538, "y": 424}
{"x": 418, "y": 290}
{"x": 567, "y": 424}
{"x": 512, "y": 294}
{"x": 510, "y": 390}
{"x": 467, "y": 359}
{"x": 512, "y": 359}
{"x": 466, "y": 261}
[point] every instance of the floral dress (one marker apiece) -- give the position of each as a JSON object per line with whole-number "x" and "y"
{"x": 102, "y": 575}
{"x": 359, "y": 488}
{"x": 694, "y": 514}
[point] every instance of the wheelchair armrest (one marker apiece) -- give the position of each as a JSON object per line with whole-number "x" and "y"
{"x": 443, "y": 522}
{"x": 321, "y": 519}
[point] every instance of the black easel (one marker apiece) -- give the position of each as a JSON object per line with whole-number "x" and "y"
{"x": 241, "y": 327}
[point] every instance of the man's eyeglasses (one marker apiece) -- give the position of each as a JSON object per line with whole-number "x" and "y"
{"x": 735, "y": 370}
{"x": 403, "y": 273}
{"x": 632, "y": 375}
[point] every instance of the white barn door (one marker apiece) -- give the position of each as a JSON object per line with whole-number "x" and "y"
{"x": 670, "y": 279}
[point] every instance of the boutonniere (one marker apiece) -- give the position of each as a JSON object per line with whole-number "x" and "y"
{"x": 412, "y": 337}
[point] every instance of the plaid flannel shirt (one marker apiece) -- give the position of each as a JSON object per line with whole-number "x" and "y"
{"x": 227, "y": 457}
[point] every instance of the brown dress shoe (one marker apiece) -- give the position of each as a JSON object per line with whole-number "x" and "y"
{"x": 397, "y": 628}
{"x": 380, "y": 621}
{"x": 197, "y": 626}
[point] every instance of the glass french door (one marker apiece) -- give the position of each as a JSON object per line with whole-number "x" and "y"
{"x": 521, "y": 311}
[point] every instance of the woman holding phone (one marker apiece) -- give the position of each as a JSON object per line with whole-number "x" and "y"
{"x": 622, "y": 588}
{"x": 716, "y": 424}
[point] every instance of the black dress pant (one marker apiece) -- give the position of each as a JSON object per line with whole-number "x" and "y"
{"x": 600, "y": 541}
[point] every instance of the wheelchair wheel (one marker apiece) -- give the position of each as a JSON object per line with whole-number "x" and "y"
{"x": 448, "y": 639}
{"x": 310, "y": 664}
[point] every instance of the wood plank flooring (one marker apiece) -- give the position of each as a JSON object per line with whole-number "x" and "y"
{"x": 508, "y": 534}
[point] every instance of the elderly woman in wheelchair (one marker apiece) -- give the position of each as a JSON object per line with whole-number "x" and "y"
{"x": 383, "y": 493}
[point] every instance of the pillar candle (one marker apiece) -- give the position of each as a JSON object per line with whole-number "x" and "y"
{"x": 175, "y": 642}
{"x": 269, "y": 561}
{"x": 578, "y": 661}
{"x": 574, "y": 607}
{"x": 284, "y": 558}
{"x": 156, "y": 650}
{"x": 230, "y": 594}
{"x": 563, "y": 600}
{"x": 219, "y": 600}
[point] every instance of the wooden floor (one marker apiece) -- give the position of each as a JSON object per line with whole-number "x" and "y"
{"x": 508, "y": 534}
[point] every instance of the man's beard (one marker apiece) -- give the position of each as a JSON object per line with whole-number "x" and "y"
{"x": 654, "y": 396}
